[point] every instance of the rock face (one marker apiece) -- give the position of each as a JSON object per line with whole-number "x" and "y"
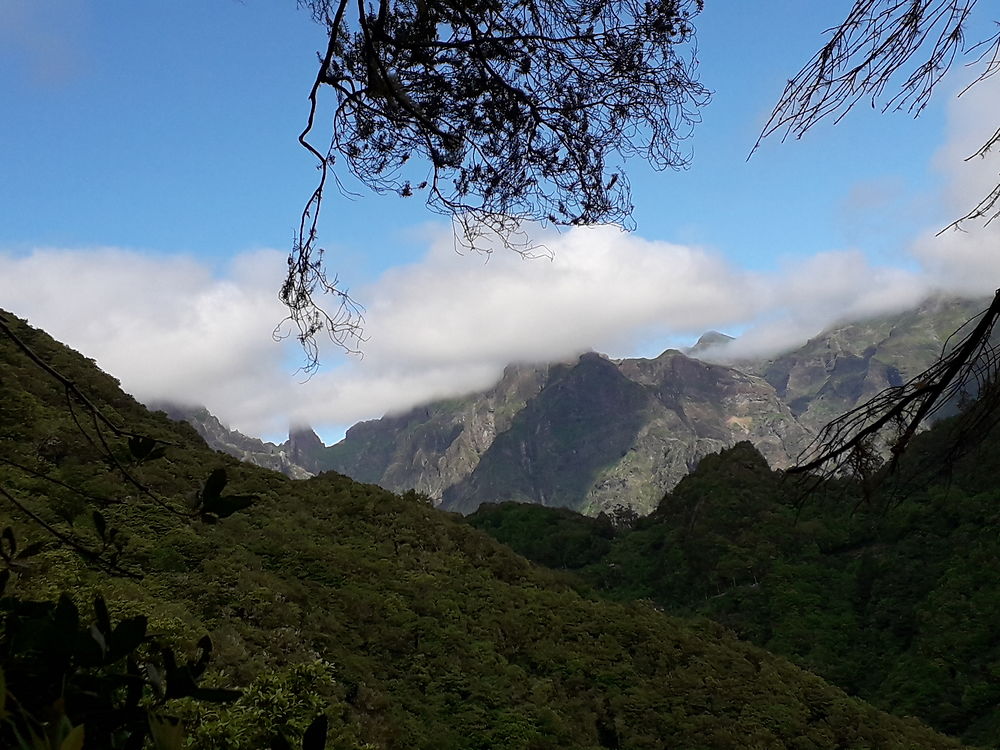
{"x": 435, "y": 446}
{"x": 848, "y": 364}
{"x": 594, "y": 433}
{"x": 235, "y": 443}
{"x": 604, "y": 433}
{"x": 588, "y": 435}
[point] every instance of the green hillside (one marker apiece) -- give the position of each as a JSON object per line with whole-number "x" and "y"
{"x": 893, "y": 599}
{"x": 405, "y": 626}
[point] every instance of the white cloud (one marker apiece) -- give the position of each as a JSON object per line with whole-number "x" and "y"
{"x": 169, "y": 327}
{"x": 163, "y": 325}
{"x": 446, "y": 324}
{"x": 966, "y": 259}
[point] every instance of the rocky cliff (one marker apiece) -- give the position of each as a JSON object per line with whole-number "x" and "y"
{"x": 593, "y": 433}
{"x": 596, "y": 433}
{"x": 252, "y": 450}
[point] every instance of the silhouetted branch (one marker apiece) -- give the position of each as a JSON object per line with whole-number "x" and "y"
{"x": 499, "y": 113}
{"x": 857, "y": 442}
{"x": 68, "y": 384}
{"x": 93, "y": 557}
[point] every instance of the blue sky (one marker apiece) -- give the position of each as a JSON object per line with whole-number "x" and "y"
{"x": 152, "y": 180}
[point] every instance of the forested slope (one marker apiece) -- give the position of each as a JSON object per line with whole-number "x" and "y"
{"x": 893, "y": 597}
{"x": 404, "y": 625}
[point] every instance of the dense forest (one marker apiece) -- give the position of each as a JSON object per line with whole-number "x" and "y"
{"x": 892, "y": 595}
{"x": 221, "y": 605}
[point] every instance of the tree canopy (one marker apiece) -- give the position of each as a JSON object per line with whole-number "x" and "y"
{"x": 497, "y": 112}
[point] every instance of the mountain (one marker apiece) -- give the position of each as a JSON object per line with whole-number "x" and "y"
{"x": 588, "y": 434}
{"x": 286, "y": 458}
{"x": 402, "y": 625}
{"x": 601, "y": 432}
{"x": 708, "y": 341}
{"x": 596, "y": 433}
{"x": 850, "y": 363}
{"x": 892, "y": 597}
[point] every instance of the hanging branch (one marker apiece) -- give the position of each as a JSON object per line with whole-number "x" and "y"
{"x": 69, "y": 385}
{"x": 907, "y": 44}
{"x": 306, "y": 269}
{"x": 497, "y": 113}
{"x": 93, "y": 557}
{"x": 895, "y": 52}
{"x": 142, "y": 447}
{"x": 98, "y": 418}
{"x": 856, "y": 442}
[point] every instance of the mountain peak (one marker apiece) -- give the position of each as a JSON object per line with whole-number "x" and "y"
{"x": 708, "y": 340}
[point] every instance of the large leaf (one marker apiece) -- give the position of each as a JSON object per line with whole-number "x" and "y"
{"x": 145, "y": 448}
{"x": 100, "y": 525}
{"x": 103, "y": 618}
{"x": 225, "y": 506}
{"x": 315, "y": 736}
{"x": 198, "y": 667}
{"x": 8, "y": 544}
{"x": 212, "y": 490}
{"x": 126, "y": 637}
{"x": 167, "y": 732}
{"x": 73, "y": 740}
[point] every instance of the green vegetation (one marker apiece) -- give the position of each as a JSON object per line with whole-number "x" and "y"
{"x": 894, "y": 599}
{"x": 404, "y": 626}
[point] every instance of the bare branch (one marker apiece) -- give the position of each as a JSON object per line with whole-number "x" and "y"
{"x": 499, "y": 112}
{"x": 856, "y": 442}
{"x": 895, "y": 52}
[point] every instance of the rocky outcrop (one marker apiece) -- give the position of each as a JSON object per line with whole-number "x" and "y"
{"x": 848, "y": 364}
{"x": 235, "y": 443}
{"x": 589, "y": 434}
{"x": 596, "y": 433}
{"x": 435, "y": 446}
{"x": 593, "y": 433}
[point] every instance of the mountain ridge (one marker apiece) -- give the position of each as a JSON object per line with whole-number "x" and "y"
{"x": 516, "y": 440}
{"x": 402, "y": 625}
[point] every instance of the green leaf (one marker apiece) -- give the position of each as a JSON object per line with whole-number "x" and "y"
{"x": 74, "y": 740}
{"x": 166, "y": 731}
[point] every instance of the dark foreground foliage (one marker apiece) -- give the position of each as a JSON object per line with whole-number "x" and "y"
{"x": 403, "y": 626}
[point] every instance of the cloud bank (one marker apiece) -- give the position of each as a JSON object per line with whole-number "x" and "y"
{"x": 446, "y": 324}
{"x": 171, "y": 328}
